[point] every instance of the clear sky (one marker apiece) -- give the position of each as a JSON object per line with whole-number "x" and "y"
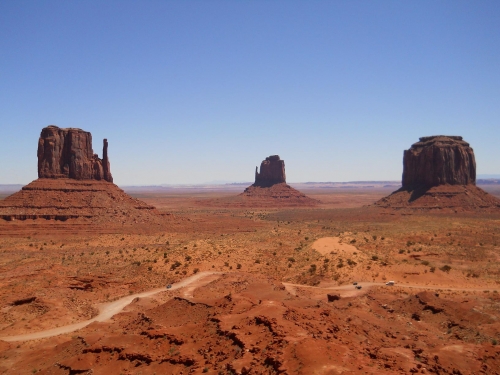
{"x": 201, "y": 91}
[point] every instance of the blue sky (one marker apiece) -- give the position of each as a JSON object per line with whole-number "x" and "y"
{"x": 200, "y": 91}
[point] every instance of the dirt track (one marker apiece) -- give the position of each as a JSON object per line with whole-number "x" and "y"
{"x": 108, "y": 310}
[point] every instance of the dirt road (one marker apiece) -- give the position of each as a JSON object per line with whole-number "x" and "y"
{"x": 109, "y": 309}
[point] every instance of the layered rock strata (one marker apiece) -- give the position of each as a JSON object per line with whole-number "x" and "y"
{"x": 75, "y": 184}
{"x": 439, "y": 172}
{"x": 439, "y": 160}
{"x": 67, "y": 153}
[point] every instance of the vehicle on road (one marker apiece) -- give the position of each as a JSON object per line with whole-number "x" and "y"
{"x": 169, "y": 286}
{"x": 389, "y": 283}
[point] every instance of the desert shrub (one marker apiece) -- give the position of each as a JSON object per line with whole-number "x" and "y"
{"x": 196, "y": 270}
{"x": 433, "y": 269}
{"x": 164, "y": 255}
{"x": 291, "y": 259}
{"x": 306, "y": 238}
{"x": 312, "y": 268}
{"x": 188, "y": 258}
{"x": 226, "y": 264}
{"x": 351, "y": 262}
{"x": 374, "y": 237}
{"x": 401, "y": 251}
{"x": 352, "y": 241}
{"x": 445, "y": 268}
{"x": 425, "y": 262}
{"x": 175, "y": 265}
{"x": 257, "y": 261}
{"x": 374, "y": 257}
{"x": 150, "y": 268}
{"x": 238, "y": 266}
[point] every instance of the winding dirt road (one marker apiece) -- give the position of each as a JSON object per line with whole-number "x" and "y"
{"x": 109, "y": 309}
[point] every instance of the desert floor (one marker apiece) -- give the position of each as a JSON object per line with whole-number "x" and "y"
{"x": 256, "y": 298}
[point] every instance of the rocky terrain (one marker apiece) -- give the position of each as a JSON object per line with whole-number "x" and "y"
{"x": 93, "y": 281}
{"x": 439, "y": 172}
{"x": 267, "y": 309}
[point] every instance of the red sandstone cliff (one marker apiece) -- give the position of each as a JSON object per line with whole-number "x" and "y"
{"x": 272, "y": 171}
{"x": 439, "y": 160}
{"x": 67, "y": 153}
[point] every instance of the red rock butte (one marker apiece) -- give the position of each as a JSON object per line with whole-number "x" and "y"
{"x": 272, "y": 171}
{"x": 439, "y": 172}
{"x": 67, "y": 153}
{"x": 74, "y": 183}
{"x": 270, "y": 187}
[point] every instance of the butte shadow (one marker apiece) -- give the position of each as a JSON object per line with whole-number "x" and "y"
{"x": 439, "y": 172}
{"x": 74, "y": 183}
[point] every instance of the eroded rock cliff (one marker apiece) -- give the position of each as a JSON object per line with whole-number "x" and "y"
{"x": 67, "y": 153}
{"x": 439, "y": 160}
{"x": 272, "y": 171}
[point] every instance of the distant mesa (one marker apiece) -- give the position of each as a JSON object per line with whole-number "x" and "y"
{"x": 74, "y": 183}
{"x": 270, "y": 186}
{"x": 67, "y": 153}
{"x": 439, "y": 172}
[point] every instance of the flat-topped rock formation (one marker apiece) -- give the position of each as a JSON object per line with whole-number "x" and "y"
{"x": 439, "y": 160}
{"x": 272, "y": 171}
{"x": 439, "y": 172}
{"x": 67, "y": 153}
{"x": 74, "y": 183}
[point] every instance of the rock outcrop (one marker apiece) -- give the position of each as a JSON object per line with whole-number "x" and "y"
{"x": 74, "y": 184}
{"x": 67, "y": 153}
{"x": 439, "y": 172}
{"x": 272, "y": 171}
{"x": 439, "y": 160}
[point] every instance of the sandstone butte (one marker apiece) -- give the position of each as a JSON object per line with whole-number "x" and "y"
{"x": 74, "y": 183}
{"x": 270, "y": 186}
{"x": 439, "y": 172}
